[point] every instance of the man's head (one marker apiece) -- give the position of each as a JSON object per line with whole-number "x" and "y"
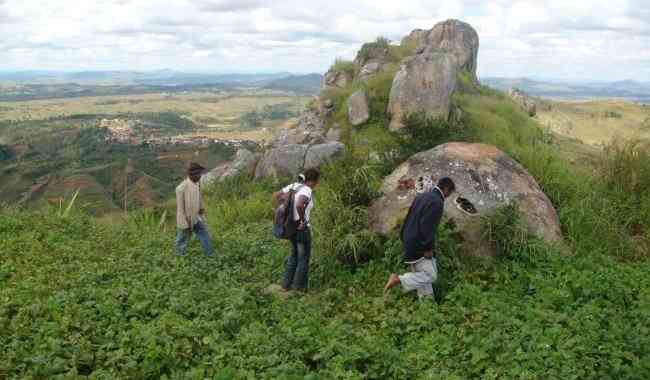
{"x": 312, "y": 176}
{"x": 447, "y": 186}
{"x": 194, "y": 172}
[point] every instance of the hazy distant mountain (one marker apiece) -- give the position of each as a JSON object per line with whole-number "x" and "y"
{"x": 575, "y": 90}
{"x": 303, "y": 84}
{"x": 149, "y": 78}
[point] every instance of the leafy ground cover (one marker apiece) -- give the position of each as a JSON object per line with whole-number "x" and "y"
{"x": 86, "y": 298}
{"x": 81, "y": 298}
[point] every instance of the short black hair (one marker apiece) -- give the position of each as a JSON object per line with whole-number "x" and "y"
{"x": 312, "y": 175}
{"x": 447, "y": 184}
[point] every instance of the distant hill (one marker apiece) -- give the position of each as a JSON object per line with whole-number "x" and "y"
{"x": 302, "y": 84}
{"x": 149, "y": 78}
{"x": 575, "y": 90}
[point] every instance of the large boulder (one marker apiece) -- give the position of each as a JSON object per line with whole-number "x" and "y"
{"x": 486, "y": 180}
{"x": 318, "y": 155}
{"x": 455, "y": 37}
{"x": 289, "y": 160}
{"x": 424, "y": 83}
{"x": 244, "y": 163}
{"x": 334, "y": 79}
{"x": 373, "y": 58}
{"x": 358, "y": 110}
{"x": 310, "y": 129}
{"x": 414, "y": 39}
{"x": 282, "y": 161}
{"x": 526, "y": 102}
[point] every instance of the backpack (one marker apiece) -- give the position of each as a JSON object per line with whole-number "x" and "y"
{"x": 284, "y": 225}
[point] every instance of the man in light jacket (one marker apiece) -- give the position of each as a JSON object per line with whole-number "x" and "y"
{"x": 190, "y": 215}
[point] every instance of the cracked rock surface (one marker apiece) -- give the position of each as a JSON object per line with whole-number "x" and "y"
{"x": 485, "y": 177}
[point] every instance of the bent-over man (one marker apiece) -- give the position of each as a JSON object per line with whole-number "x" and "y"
{"x": 418, "y": 236}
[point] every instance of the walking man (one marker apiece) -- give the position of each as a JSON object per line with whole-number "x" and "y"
{"x": 296, "y": 275}
{"x": 418, "y": 236}
{"x": 190, "y": 215}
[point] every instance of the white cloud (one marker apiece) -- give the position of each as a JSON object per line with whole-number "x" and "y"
{"x": 591, "y": 39}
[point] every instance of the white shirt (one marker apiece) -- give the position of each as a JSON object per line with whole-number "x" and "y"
{"x": 301, "y": 190}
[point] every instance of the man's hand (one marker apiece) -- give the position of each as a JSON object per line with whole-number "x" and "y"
{"x": 428, "y": 254}
{"x": 301, "y": 226}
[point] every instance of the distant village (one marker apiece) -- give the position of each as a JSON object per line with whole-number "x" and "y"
{"x": 123, "y": 131}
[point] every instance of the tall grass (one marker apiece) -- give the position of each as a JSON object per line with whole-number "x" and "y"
{"x": 605, "y": 213}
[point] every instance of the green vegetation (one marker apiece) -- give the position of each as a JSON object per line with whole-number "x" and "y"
{"x": 283, "y": 111}
{"x": 6, "y": 153}
{"x": 371, "y": 49}
{"x": 343, "y": 66}
{"x": 82, "y": 297}
{"x": 612, "y": 115}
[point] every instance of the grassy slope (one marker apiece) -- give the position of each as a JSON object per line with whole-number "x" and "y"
{"x": 82, "y": 297}
{"x": 597, "y": 122}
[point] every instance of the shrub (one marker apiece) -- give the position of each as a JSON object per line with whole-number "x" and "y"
{"x": 378, "y": 89}
{"x": 507, "y": 233}
{"x": 625, "y": 166}
{"x": 6, "y": 153}
{"x": 353, "y": 180}
{"x": 422, "y": 132}
{"x": 343, "y": 66}
{"x": 369, "y": 49}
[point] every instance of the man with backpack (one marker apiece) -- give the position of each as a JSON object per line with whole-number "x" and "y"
{"x": 190, "y": 215}
{"x": 299, "y": 203}
{"x": 418, "y": 236}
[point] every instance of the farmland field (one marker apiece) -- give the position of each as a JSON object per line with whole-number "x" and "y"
{"x": 597, "y": 122}
{"x": 216, "y": 112}
{"x": 46, "y": 145}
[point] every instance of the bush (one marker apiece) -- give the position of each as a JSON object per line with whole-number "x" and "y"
{"x": 6, "y": 153}
{"x": 368, "y": 50}
{"x": 422, "y": 132}
{"x": 343, "y": 66}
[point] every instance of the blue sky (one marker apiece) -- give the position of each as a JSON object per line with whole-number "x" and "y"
{"x": 592, "y": 40}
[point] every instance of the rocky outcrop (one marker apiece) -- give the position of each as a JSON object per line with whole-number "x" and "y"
{"x": 414, "y": 39}
{"x": 358, "y": 111}
{"x": 308, "y": 145}
{"x": 310, "y": 129}
{"x": 486, "y": 180}
{"x": 454, "y": 37}
{"x": 290, "y": 160}
{"x": 282, "y": 161}
{"x": 336, "y": 79}
{"x": 244, "y": 163}
{"x": 318, "y": 155}
{"x": 373, "y": 58}
{"x": 424, "y": 83}
{"x": 526, "y": 102}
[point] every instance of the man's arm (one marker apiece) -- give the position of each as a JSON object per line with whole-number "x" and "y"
{"x": 301, "y": 207}
{"x": 275, "y": 198}
{"x": 180, "y": 208}
{"x": 201, "y": 209}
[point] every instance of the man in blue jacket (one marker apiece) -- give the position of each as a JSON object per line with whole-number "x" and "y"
{"x": 419, "y": 239}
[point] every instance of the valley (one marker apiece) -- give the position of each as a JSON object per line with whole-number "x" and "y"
{"x": 128, "y": 151}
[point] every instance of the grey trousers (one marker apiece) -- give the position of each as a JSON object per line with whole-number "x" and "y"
{"x": 423, "y": 274}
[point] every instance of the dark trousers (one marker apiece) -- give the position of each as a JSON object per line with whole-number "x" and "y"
{"x": 296, "y": 274}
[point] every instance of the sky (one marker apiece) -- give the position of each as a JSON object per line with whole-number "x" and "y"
{"x": 578, "y": 39}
